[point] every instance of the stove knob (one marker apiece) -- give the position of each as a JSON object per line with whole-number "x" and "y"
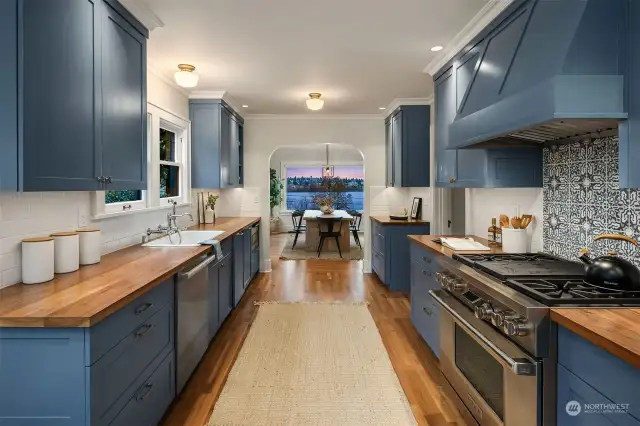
{"x": 516, "y": 327}
{"x": 439, "y": 277}
{"x": 483, "y": 311}
{"x": 457, "y": 285}
{"x": 499, "y": 317}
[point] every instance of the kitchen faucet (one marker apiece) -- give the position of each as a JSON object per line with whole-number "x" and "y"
{"x": 171, "y": 227}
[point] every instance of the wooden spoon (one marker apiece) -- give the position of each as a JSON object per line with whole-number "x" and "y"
{"x": 526, "y": 220}
{"x": 504, "y": 220}
{"x": 516, "y": 222}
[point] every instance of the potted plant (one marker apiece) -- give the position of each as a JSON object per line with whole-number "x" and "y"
{"x": 210, "y": 211}
{"x": 325, "y": 203}
{"x": 275, "y": 198}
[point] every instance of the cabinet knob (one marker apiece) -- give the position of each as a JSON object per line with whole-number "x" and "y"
{"x": 108, "y": 179}
{"x": 100, "y": 179}
{"x": 452, "y": 180}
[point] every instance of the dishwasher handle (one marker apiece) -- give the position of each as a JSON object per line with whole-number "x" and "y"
{"x": 196, "y": 269}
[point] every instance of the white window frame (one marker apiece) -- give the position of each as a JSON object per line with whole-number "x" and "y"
{"x": 156, "y": 118}
{"x": 283, "y": 175}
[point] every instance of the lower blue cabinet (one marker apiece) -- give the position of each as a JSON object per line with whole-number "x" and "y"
{"x": 238, "y": 267}
{"x": 425, "y": 314}
{"x": 225, "y": 288}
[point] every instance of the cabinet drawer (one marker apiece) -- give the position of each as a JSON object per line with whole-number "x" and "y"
{"x": 425, "y": 256}
{"x": 425, "y": 317}
{"x": 378, "y": 265}
{"x": 376, "y": 227}
{"x": 107, "y": 333}
{"x": 572, "y": 388}
{"x": 613, "y": 377}
{"x": 378, "y": 242}
{"x": 150, "y": 399}
{"x": 121, "y": 366}
{"x": 226, "y": 246}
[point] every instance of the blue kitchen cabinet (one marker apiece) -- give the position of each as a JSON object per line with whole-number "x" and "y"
{"x": 214, "y": 305}
{"x": 246, "y": 268}
{"x": 477, "y": 168}
{"x": 408, "y": 141}
{"x": 66, "y": 125}
{"x": 216, "y": 144}
{"x": 425, "y": 314}
{"x": 390, "y": 257}
{"x": 238, "y": 267}
{"x": 587, "y": 374}
{"x": 225, "y": 288}
{"x": 115, "y": 372}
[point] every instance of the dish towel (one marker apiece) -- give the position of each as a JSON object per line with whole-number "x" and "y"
{"x": 217, "y": 248}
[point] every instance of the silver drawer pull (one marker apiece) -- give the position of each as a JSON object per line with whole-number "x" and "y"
{"x": 427, "y": 273}
{"x": 428, "y": 311}
{"x": 140, "y": 309}
{"x": 144, "y": 392}
{"x": 143, "y": 330}
{"x": 426, "y": 259}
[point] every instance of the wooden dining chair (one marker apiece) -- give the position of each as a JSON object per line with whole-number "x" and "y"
{"x": 329, "y": 224}
{"x": 355, "y": 226}
{"x": 298, "y": 227}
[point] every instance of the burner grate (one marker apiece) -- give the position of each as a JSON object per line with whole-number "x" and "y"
{"x": 572, "y": 291}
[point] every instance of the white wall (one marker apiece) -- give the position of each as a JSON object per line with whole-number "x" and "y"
{"x": 38, "y": 214}
{"x": 338, "y": 153}
{"x": 485, "y": 204}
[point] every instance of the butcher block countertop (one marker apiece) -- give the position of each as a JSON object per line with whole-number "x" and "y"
{"x": 386, "y": 220}
{"x": 87, "y": 296}
{"x": 427, "y": 241}
{"x": 614, "y": 330}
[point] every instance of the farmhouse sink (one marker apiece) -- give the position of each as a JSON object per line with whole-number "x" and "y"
{"x": 189, "y": 239}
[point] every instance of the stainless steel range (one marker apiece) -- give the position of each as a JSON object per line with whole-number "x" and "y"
{"x": 497, "y": 342}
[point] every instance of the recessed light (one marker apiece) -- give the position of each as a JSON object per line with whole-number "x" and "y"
{"x": 381, "y": 108}
{"x": 436, "y": 48}
{"x": 245, "y": 106}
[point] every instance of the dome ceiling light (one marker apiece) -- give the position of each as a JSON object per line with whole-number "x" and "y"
{"x": 315, "y": 103}
{"x": 186, "y": 77}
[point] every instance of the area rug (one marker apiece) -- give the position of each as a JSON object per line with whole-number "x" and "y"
{"x": 301, "y": 253}
{"x": 312, "y": 364}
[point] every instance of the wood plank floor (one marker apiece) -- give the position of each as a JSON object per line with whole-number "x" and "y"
{"x": 314, "y": 280}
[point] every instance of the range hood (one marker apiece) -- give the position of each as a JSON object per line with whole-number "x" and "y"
{"x": 545, "y": 72}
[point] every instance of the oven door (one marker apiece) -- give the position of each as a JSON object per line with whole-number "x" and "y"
{"x": 494, "y": 378}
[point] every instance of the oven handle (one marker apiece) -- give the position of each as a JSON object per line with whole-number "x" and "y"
{"x": 519, "y": 366}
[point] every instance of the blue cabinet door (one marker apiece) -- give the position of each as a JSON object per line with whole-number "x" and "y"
{"x": 9, "y": 95}
{"x": 205, "y": 144}
{"x": 397, "y": 146}
{"x": 445, "y": 104}
{"x": 124, "y": 109}
{"x": 226, "y": 180}
{"x": 388, "y": 126}
{"x": 247, "y": 257}
{"x": 225, "y": 289}
{"x": 214, "y": 304}
{"x": 58, "y": 78}
{"x": 238, "y": 267}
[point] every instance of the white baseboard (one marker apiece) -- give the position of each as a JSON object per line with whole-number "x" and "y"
{"x": 266, "y": 266}
{"x": 366, "y": 266}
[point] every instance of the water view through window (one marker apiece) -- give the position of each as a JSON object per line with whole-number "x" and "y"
{"x": 345, "y": 186}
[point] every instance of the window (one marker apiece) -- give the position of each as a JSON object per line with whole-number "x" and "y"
{"x": 167, "y": 168}
{"x": 343, "y": 183}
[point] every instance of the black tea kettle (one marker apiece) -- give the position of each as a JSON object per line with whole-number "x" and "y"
{"x": 611, "y": 271}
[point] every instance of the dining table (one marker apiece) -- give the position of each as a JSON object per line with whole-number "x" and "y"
{"x": 312, "y": 235}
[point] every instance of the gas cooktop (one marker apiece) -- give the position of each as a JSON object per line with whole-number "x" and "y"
{"x": 505, "y": 266}
{"x": 554, "y": 291}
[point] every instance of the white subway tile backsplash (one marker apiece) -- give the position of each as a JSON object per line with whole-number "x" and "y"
{"x": 11, "y": 276}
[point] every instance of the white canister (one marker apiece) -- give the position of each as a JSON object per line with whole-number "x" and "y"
{"x": 90, "y": 246}
{"x": 37, "y": 260}
{"x": 67, "y": 252}
{"x": 514, "y": 240}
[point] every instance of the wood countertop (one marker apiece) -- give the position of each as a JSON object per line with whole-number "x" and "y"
{"x": 386, "y": 220}
{"x": 615, "y": 330}
{"x": 87, "y": 296}
{"x": 427, "y": 241}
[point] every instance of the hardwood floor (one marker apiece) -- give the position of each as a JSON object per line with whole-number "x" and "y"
{"x": 314, "y": 280}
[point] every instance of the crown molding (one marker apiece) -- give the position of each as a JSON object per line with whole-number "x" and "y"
{"x": 207, "y": 94}
{"x": 483, "y": 18}
{"x": 313, "y": 117}
{"x": 406, "y": 101}
{"x": 141, "y": 10}
{"x": 169, "y": 81}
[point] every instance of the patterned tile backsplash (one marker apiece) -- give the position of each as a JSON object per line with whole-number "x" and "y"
{"x": 581, "y": 199}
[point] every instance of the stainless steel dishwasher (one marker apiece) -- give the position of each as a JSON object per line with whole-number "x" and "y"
{"x": 192, "y": 321}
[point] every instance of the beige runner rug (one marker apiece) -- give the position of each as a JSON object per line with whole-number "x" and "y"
{"x": 306, "y": 364}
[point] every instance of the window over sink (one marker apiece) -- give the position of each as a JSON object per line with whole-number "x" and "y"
{"x": 168, "y": 180}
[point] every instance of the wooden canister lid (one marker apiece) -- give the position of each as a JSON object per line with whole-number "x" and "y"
{"x": 88, "y": 230}
{"x": 37, "y": 240}
{"x": 64, "y": 234}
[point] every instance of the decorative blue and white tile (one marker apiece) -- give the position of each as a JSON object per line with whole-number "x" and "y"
{"x": 599, "y": 149}
{"x": 564, "y": 154}
{"x": 612, "y": 148}
{"x": 581, "y": 151}
{"x": 581, "y": 183}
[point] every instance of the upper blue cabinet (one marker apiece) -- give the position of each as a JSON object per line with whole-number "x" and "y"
{"x": 217, "y": 133}
{"x": 544, "y": 72}
{"x": 408, "y": 162}
{"x": 72, "y": 96}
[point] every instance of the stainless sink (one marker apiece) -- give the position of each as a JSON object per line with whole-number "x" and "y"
{"x": 186, "y": 239}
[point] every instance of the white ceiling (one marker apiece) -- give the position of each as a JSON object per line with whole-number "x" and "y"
{"x": 270, "y": 54}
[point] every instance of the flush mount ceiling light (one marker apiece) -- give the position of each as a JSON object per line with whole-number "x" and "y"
{"x": 245, "y": 106}
{"x": 436, "y": 48}
{"x": 315, "y": 103}
{"x": 382, "y": 108}
{"x": 186, "y": 77}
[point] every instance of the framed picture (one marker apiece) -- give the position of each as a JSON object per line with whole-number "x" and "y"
{"x": 416, "y": 208}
